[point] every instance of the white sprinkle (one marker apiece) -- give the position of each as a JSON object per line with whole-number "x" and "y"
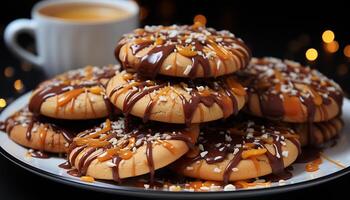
{"x": 138, "y": 142}
{"x": 188, "y": 40}
{"x": 264, "y": 136}
{"x": 285, "y": 154}
{"x": 163, "y": 99}
{"x": 222, "y": 148}
{"x": 250, "y": 135}
{"x": 200, "y": 146}
{"x": 204, "y": 188}
{"x": 276, "y": 150}
{"x": 110, "y": 164}
{"x": 189, "y": 168}
{"x": 168, "y": 67}
{"x": 281, "y": 182}
{"x": 173, "y": 33}
{"x": 217, "y": 157}
{"x": 188, "y": 89}
{"x": 146, "y": 186}
{"x": 229, "y": 187}
{"x": 228, "y": 138}
{"x": 217, "y": 170}
{"x": 188, "y": 69}
{"x": 218, "y": 145}
{"x": 203, "y": 153}
{"x": 215, "y": 188}
{"x": 200, "y": 88}
{"x": 218, "y": 40}
{"x": 235, "y": 169}
{"x": 235, "y": 151}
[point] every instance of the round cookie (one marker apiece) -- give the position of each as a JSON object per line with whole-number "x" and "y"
{"x": 177, "y": 100}
{"x": 290, "y": 92}
{"x": 182, "y": 51}
{"x": 77, "y": 94}
{"x": 319, "y": 133}
{"x": 126, "y": 148}
{"x": 239, "y": 150}
{"x": 29, "y": 131}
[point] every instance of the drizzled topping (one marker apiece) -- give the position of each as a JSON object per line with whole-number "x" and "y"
{"x": 222, "y": 91}
{"x": 115, "y": 141}
{"x": 204, "y": 47}
{"x": 281, "y": 85}
{"x": 241, "y": 140}
{"x": 41, "y": 125}
{"x": 70, "y": 85}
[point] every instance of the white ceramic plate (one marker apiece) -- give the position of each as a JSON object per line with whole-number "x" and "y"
{"x": 49, "y": 167}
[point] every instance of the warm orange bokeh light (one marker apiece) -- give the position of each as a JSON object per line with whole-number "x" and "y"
{"x": 347, "y": 51}
{"x": 328, "y": 36}
{"x": 311, "y": 54}
{"x": 331, "y": 47}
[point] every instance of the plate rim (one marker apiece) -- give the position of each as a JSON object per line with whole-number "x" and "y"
{"x": 182, "y": 194}
{"x": 130, "y": 191}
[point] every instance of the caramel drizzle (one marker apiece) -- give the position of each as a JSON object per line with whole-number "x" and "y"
{"x": 152, "y": 61}
{"x": 225, "y": 87}
{"x": 91, "y": 141}
{"x": 23, "y": 116}
{"x": 273, "y": 106}
{"x": 68, "y": 87}
{"x": 247, "y": 150}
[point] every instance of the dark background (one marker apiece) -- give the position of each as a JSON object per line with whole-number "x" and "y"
{"x": 284, "y": 29}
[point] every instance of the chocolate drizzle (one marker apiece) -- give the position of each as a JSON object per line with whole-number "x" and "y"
{"x": 115, "y": 169}
{"x": 151, "y": 63}
{"x": 232, "y": 164}
{"x": 67, "y": 128}
{"x": 203, "y": 43}
{"x": 121, "y": 140}
{"x": 149, "y": 155}
{"x": 231, "y": 137}
{"x": 72, "y": 80}
{"x": 277, "y": 82}
{"x": 200, "y": 91}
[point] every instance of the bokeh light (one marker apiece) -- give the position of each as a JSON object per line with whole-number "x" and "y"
{"x": 328, "y": 36}
{"x": 9, "y": 72}
{"x": 331, "y": 47}
{"x": 311, "y": 54}
{"x": 347, "y": 51}
{"x": 18, "y": 85}
{"x": 2, "y": 103}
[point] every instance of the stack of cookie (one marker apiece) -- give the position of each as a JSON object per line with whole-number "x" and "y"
{"x": 61, "y": 107}
{"x": 188, "y": 97}
{"x": 286, "y": 91}
{"x": 185, "y": 75}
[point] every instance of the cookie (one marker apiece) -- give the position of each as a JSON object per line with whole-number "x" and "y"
{"x": 120, "y": 149}
{"x": 176, "y": 100}
{"x": 77, "y": 94}
{"x": 317, "y": 134}
{"x": 288, "y": 91}
{"x": 240, "y": 150}
{"x": 182, "y": 51}
{"x": 41, "y": 133}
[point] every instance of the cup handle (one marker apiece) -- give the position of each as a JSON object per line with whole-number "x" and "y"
{"x": 13, "y": 30}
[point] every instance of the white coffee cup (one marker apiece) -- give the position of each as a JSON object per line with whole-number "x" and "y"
{"x": 68, "y": 44}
